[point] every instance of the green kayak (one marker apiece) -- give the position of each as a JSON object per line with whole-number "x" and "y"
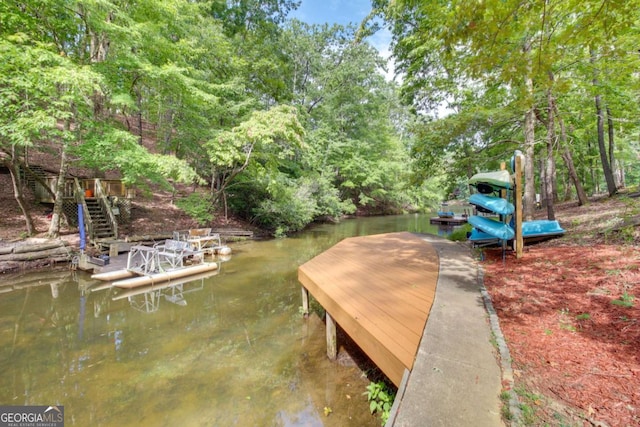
{"x": 498, "y": 180}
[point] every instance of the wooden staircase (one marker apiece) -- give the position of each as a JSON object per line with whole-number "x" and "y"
{"x": 28, "y": 178}
{"x": 100, "y": 224}
{"x": 99, "y": 200}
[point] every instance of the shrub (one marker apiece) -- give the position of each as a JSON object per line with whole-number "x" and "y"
{"x": 197, "y": 206}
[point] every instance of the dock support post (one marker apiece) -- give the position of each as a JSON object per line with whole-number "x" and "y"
{"x": 332, "y": 348}
{"x": 305, "y": 301}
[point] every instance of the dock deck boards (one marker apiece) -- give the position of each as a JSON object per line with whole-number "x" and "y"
{"x": 379, "y": 289}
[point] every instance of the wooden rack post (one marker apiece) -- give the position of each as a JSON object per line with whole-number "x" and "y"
{"x": 518, "y": 198}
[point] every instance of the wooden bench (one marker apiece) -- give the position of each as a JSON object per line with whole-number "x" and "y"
{"x": 202, "y": 240}
{"x": 199, "y": 232}
{"x": 172, "y": 253}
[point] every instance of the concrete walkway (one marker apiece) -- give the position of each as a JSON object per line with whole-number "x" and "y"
{"x": 456, "y": 377}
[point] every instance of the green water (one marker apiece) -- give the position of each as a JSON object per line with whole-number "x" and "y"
{"x": 227, "y": 350}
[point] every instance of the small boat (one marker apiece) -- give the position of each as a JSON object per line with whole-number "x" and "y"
{"x": 491, "y": 204}
{"x": 532, "y": 231}
{"x": 496, "y": 229}
{"x": 445, "y": 214}
{"x": 487, "y": 182}
{"x": 489, "y": 231}
{"x": 447, "y": 217}
{"x": 541, "y": 229}
{"x": 159, "y": 264}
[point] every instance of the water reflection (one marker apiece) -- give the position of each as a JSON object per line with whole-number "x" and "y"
{"x": 226, "y": 350}
{"x": 146, "y": 299}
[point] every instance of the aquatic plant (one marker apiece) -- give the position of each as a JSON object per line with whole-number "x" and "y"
{"x": 380, "y": 399}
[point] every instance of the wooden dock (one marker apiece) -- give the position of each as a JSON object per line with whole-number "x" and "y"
{"x": 379, "y": 289}
{"x": 456, "y": 220}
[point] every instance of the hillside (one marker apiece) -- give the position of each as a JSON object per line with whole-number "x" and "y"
{"x": 152, "y": 213}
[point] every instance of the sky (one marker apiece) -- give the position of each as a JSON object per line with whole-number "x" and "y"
{"x": 333, "y": 11}
{"x": 343, "y": 12}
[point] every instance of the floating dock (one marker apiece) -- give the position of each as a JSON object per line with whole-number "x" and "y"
{"x": 456, "y": 220}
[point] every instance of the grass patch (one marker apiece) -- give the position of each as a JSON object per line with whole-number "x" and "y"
{"x": 625, "y": 300}
{"x": 460, "y": 234}
{"x": 529, "y": 402}
{"x": 505, "y": 396}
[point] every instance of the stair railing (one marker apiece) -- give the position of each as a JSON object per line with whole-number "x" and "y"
{"x": 80, "y": 200}
{"x": 105, "y": 205}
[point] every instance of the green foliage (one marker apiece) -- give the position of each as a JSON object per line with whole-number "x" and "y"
{"x": 380, "y": 399}
{"x": 198, "y": 206}
{"x": 327, "y": 198}
{"x": 471, "y": 79}
{"x": 110, "y": 148}
{"x": 40, "y": 89}
{"x": 286, "y": 122}
{"x": 283, "y": 204}
{"x": 276, "y": 133}
{"x": 288, "y": 207}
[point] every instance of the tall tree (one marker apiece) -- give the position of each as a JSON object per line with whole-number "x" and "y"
{"x": 568, "y": 160}
{"x": 40, "y": 89}
{"x": 443, "y": 46}
{"x": 602, "y": 148}
{"x": 337, "y": 81}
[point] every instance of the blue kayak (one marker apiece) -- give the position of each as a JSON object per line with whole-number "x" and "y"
{"x": 446, "y": 214}
{"x": 532, "y": 231}
{"x": 492, "y": 204}
{"x": 541, "y": 228}
{"x": 492, "y": 227}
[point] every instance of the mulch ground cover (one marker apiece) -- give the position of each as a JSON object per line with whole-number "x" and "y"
{"x": 571, "y": 318}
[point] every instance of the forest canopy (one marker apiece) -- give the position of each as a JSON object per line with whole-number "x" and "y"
{"x": 286, "y": 123}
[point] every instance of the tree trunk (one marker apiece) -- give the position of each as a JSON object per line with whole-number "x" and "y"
{"x": 543, "y": 193}
{"x": 615, "y": 166}
{"x": 549, "y": 173}
{"x": 568, "y": 161}
{"x": 567, "y": 183}
{"x": 139, "y": 114}
{"x": 604, "y": 159}
{"x": 166, "y": 130}
{"x": 17, "y": 193}
{"x": 54, "y": 227}
{"x": 99, "y": 48}
{"x": 529, "y": 184}
{"x": 610, "y": 133}
{"x": 593, "y": 164}
{"x": 620, "y": 176}
{"x": 29, "y": 256}
{"x": 529, "y": 141}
